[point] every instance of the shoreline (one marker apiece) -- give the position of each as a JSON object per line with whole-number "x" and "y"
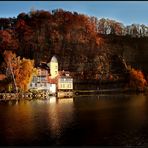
{"x": 43, "y": 96}
{"x": 110, "y": 91}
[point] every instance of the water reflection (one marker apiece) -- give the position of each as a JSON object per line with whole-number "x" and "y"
{"x": 52, "y": 100}
{"x": 65, "y": 101}
{"x": 136, "y": 111}
{"x": 83, "y": 120}
{"x": 17, "y": 120}
{"x": 59, "y": 110}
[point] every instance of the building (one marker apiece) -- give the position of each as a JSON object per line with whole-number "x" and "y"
{"x": 53, "y": 67}
{"x": 40, "y": 82}
{"x": 65, "y": 85}
{"x": 50, "y": 79}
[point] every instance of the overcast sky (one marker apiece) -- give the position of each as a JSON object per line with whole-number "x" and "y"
{"x": 127, "y": 12}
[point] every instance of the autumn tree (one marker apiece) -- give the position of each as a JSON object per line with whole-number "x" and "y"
{"x": 137, "y": 79}
{"x": 76, "y": 39}
{"x": 24, "y": 34}
{"x": 8, "y": 40}
{"x": 23, "y": 75}
{"x": 21, "y": 68}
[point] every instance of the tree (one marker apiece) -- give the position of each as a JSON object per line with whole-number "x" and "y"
{"x": 137, "y": 79}
{"x": 21, "y": 68}
{"x": 8, "y": 40}
{"x": 23, "y": 75}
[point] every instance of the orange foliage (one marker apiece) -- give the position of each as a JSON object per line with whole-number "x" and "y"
{"x": 22, "y": 69}
{"x": 137, "y": 79}
{"x": 8, "y": 56}
{"x": 111, "y": 77}
{"x": 2, "y": 77}
{"x": 24, "y": 74}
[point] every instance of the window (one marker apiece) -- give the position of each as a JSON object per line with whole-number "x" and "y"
{"x": 69, "y": 85}
{"x": 38, "y": 79}
{"x": 43, "y": 78}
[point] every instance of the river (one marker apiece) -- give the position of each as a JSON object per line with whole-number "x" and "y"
{"x": 104, "y": 120}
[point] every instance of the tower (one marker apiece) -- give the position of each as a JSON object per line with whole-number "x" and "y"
{"x": 53, "y": 67}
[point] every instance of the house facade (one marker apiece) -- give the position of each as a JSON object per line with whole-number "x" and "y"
{"x": 65, "y": 86}
{"x": 49, "y": 78}
{"x": 40, "y": 82}
{"x": 65, "y": 83}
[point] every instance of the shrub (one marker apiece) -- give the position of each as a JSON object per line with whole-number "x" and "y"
{"x": 137, "y": 79}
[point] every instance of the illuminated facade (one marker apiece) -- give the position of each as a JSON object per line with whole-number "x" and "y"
{"x": 65, "y": 83}
{"x": 53, "y": 67}
{"x": 40, "y": 82}
{"x": 65, "y": 86}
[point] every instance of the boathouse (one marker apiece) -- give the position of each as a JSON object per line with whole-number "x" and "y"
{"x": 65, "y": 85}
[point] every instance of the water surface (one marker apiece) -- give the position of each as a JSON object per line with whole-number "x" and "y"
{"x": 80, "y": 121}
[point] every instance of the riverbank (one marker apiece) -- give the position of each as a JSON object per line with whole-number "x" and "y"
{"x": 109, "y": 91}
{"x": 45, "y": 95}
{"x": 24, "y": 96}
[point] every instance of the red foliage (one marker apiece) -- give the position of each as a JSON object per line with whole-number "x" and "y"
{"x": 7, "y": 40}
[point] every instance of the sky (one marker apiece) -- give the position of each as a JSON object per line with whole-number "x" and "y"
{"x": 126, "y": 12}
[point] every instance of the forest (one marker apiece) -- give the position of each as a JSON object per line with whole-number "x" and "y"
{"x": 88, "y": 47}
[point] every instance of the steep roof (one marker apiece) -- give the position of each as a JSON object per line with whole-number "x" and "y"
{"x": 43, "y": 65}
{"x": 54, "y": 59}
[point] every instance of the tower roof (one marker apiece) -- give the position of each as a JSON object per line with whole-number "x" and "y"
{"x": 54, "y": 59}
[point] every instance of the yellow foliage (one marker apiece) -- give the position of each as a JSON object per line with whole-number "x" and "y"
{"x": 23, "y": 75}
{"x": 35, "y": 72}
{"x": 22, "y": 69}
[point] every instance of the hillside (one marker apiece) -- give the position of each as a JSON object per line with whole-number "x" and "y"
{"x": 81, "y": 43}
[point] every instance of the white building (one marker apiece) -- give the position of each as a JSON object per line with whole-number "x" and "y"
{"x": 65, "y": 83}
{"x": 40, "y": 82}
{"x": 53, "y": 67}
{"x": 65, "y": 86}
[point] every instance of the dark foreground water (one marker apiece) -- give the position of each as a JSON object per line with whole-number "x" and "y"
{"x": 88, "y": 120}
